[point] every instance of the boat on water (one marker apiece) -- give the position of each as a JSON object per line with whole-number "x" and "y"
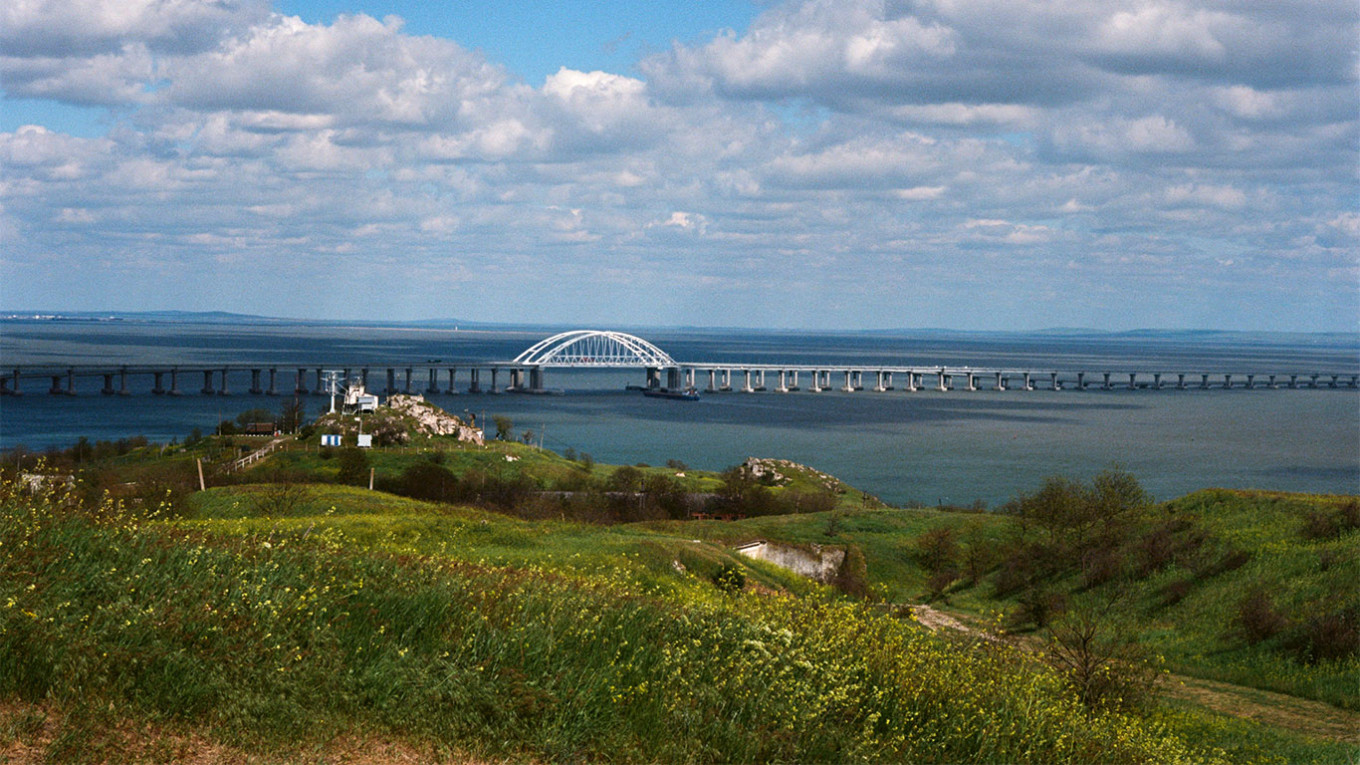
{"x": 683, "y": 394}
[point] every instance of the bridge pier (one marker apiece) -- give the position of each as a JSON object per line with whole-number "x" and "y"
{"x": 746, "y": 386}
{"x": 1227, "y": 382}
{"x": 849, "y": 385}
{"x": 1204, "y": 382}
{"x": 174, "y": 382}
{"x": 55, "y": 390}
{"x": 793, "y": 384}
{"x": 1029, "y": 384}
{"x": 320, "y": 388}
{"x": 726, "y": 380}
{"x": 107, "y": 390}
{"x": 1106, "y": 384}
{"x": 474, "y": 379}
{"x": 273, "y": 382}
{"x": 14, "y": 389}
{"x": 1053, "y": 381}
{"x": 207, "y": 383}
{"x": 712, "y": 381}
{"x": 1335, "y": 380}
{"x": 1313, "y": 381}
{"x": 1000, "y": 382}
{"x": 494, "y": 389}
{"x": 224, "y": 391}
{"x": 255, "y": 389}
{"x": 971, "y": 380}
{"x": 300, "y": 382}
{"x": 1081, "y": 381}
{"x": 689, "y": 378}
{"x": 1133, "y": 381}
{"x": 673, "y": 379}
{"x": 122, "y": 382}
{"x": 1251, "y": 382}
{"x": 453, "y": 388}
{"x": 1156, "y": 380}
{"x": 536, "y": 379}
{"x": 783, "y": 382}
{"x": 432, "y": 386}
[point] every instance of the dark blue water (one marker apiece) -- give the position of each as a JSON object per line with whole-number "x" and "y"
{"x": 905, "y": 447}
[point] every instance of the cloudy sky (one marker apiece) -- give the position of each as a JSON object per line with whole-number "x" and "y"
{"x": 974, "y": 164}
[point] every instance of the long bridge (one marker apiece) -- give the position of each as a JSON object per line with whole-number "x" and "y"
{"x": 596, "y": 349}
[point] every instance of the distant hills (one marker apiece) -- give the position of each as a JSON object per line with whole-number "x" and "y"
{"x": 1132, "y": 335}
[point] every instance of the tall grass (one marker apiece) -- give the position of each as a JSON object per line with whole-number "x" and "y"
{"x": 266, "y": 640}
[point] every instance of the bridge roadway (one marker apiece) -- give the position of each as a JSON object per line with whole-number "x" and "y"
{"x": 709, "y": 377}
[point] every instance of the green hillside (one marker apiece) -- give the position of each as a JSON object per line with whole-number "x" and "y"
{"x": 504, "y": 602}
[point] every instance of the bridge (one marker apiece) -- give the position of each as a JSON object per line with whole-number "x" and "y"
{"x": 598, "y": 349}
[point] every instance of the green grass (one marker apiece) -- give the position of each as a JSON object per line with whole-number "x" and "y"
{"x": 261, "y": 635}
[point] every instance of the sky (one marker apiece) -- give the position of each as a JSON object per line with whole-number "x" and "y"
{"x": 810, "y": 164}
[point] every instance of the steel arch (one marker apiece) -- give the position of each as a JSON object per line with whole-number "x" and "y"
{"x": 594, "y": 348}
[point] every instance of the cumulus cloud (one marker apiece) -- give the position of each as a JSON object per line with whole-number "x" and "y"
{"x": 881, "y": 144}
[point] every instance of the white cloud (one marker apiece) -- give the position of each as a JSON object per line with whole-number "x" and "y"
{"x": 877, "y": 142}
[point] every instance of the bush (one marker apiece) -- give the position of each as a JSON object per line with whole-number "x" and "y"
{"x": 429, "y": 481}
{"x": 729, "y": 578}
{"x": 1257, "y": 619}
{"x": 937, "y": 550}
{"x": 1327, "y": 636}
{"x": 853, "y": 576}
{"x": 1106, "y": 670}
{"x": 353, "y": 466}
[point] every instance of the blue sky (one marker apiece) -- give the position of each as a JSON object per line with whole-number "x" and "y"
{"x": 974, "y": 164}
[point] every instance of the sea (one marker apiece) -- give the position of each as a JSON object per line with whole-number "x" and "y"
{"x": 925, "y": 447}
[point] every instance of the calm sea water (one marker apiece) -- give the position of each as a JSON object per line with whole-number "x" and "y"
{"x": 905, "y": 447}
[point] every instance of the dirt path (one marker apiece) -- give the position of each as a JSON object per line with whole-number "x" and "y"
{"x": 1311, "y": 718}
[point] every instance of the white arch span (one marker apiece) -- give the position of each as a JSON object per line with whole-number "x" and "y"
{"x": 594, "y": 348}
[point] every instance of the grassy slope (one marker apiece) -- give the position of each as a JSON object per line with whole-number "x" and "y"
{"x": 259, "y": 638}
{"x": 1191, "y": 633}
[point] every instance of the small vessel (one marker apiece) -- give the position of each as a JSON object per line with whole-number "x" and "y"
{"x": 683, "y": 394}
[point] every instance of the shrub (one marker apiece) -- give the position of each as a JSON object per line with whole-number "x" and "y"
{"x": 1106, "y": 670}
{"x": 1327, "y": 636}
{"x": 429, "y": 481}
{"x": 1175, "y": 591}
{"x": 353, "y": 466}
{"x": 853, "y": 576}
{"x": 1101, "y": 565}
{"x": 729, "y": 578}
{"x": 1038, "y": 606}
{"x": 1257, "y": 619}
{"x": 937, "y": 550}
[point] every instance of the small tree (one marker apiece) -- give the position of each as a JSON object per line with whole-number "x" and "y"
{"x": 625, "y": 479}
{"x": 353, "y": 466}
{"x": 1107, "y": 669}
{"x": 293, "y": 414}
{"x": 504, "y": 426}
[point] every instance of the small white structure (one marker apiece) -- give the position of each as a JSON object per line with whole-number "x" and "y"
{"x": 358, "y": 400}
{"x": 365, "y": 441}
{"x": 814, "y": 561}
{"x": 329, "y": 439}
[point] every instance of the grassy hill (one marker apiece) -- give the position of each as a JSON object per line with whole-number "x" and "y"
{"x": 284, "y": 615}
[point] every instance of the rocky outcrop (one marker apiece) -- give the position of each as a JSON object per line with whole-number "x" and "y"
{"x": 431, "y": 420}
{"x": 778, "y": 472}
